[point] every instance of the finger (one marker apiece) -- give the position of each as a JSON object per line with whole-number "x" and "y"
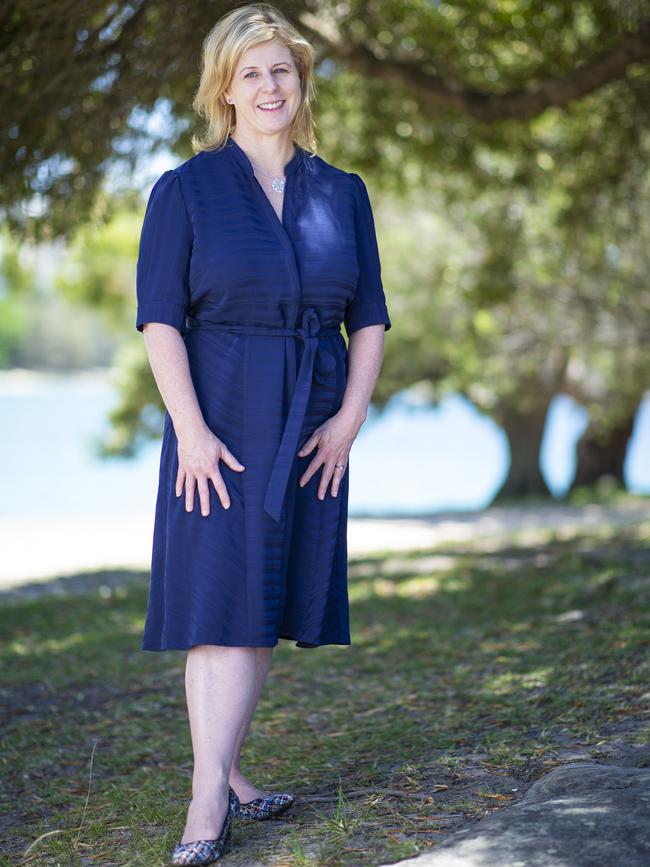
{"x": 338, "y": 475}
{"x": 228, "y": 458}
{"x": 309, "y": 445}
{"x": 204, "y": 496}
{"x": 311, "y": 469}
{"x": 220, "y": 488}
{"x": 190, "y": 486}
{"x": 180, "y": 479}
{"x": 328, "y": 470}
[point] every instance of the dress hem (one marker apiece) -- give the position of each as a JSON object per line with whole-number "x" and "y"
{"x": 302, "y": 644}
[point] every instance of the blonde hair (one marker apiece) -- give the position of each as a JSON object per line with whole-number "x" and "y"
{"x": 230, "y": 37}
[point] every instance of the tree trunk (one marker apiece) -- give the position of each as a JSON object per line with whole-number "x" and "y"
{"x": 602, "y": 454}
{"x": 524, "y": 431}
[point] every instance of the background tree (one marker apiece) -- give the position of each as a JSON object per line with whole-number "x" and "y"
{"x": 437, "y": 82}
{"x": 518, "y": 121}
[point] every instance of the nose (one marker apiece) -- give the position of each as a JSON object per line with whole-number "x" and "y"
{"x": 269, "y": 83}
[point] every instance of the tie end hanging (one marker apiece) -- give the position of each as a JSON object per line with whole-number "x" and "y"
{"x": 273, "y": 509}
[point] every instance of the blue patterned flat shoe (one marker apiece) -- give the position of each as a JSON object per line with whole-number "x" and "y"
{"x": 208, "y": 851}
{"x": 265, "y": 808}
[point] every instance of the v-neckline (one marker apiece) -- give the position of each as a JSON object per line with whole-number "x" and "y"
{"x": 289, "y": 169}
{"x": 279, "y": 219}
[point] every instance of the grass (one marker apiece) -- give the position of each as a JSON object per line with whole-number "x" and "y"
{"x": 475, "y": 669}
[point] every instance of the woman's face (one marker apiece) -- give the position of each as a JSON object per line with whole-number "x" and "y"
{"x": 265, "y": 75}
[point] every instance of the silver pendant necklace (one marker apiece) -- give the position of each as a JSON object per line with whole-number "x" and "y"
{"x": 277, "y": 183}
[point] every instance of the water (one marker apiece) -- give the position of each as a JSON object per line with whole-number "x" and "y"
{"x": 405, "y": 461}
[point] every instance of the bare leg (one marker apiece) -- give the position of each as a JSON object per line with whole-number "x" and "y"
{"x": 220, "y": 683}
{"x": 245, "y": 790}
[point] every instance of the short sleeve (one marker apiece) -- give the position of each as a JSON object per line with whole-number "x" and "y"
{"x": 368, "y": 307}
{"x": 162, "y": 273}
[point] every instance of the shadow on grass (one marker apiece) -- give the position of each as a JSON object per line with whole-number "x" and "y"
{"x": 471, "y": 673}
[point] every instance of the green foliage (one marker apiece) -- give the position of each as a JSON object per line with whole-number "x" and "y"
{"x": 437, "y": 83}
{"x": 138, "y": 414}
{"x": 99, "y": 267}
{"x": 13, "y": 326}
{"x": 16, "y": 281}
{"x": 510, "y": 139}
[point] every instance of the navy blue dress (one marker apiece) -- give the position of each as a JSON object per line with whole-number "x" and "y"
{"x": 259, "y": 302}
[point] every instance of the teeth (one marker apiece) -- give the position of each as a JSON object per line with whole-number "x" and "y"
{"x": 271, "y": 104}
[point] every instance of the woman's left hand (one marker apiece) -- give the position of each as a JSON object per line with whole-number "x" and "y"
{"x": 334, "y": 439}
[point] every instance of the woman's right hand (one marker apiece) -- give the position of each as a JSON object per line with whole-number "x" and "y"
{"x": 198, "y": 462}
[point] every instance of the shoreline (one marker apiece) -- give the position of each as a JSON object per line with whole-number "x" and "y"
{"x": 39, "y": 549}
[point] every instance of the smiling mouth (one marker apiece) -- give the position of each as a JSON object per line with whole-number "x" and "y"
{"x": 271, "y": 106}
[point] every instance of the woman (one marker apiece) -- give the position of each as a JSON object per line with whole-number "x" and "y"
{"x": 252, "y": 254}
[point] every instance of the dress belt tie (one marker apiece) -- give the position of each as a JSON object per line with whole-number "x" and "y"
{"x": 309, "y": 332}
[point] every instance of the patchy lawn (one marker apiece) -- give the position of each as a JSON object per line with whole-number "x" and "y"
{"x": 475, "y": 669}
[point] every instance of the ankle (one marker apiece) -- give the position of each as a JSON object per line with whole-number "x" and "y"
{"x": 209, "y": 786}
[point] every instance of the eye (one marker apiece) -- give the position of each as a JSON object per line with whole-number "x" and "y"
{"x": 252, "y": 72}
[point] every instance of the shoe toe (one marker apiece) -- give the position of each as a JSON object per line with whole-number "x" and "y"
{"x": 200, "y": 852}
{"x": 265, "y": 808}
{"x": 197, "y": 852}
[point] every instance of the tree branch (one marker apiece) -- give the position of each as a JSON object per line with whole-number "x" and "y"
{"x": 435, "y": 92}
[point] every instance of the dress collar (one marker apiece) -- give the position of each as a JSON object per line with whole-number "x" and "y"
{"x": 239, "y": 154}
